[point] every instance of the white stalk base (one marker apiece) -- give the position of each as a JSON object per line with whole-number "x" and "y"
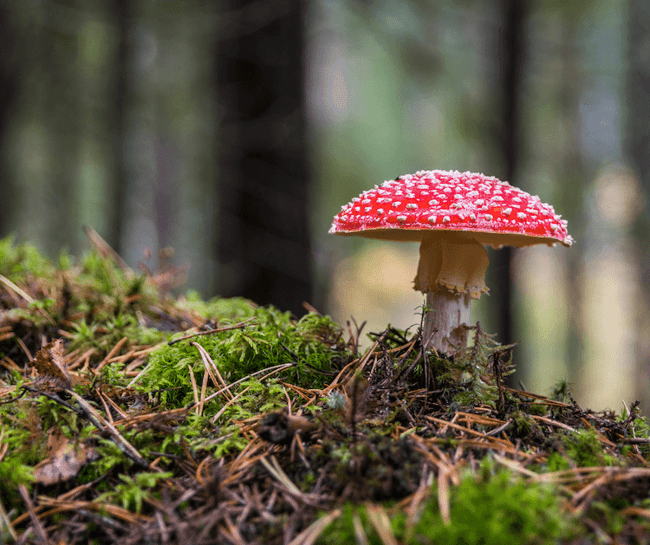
{"x": 446, "y": 313}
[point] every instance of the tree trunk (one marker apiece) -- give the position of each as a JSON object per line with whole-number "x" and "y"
{"x": 120, "y": 100}
{"x": 511, "y": 57}
{"x": 264, "y": 250}
{"x": 638, "y": 150}
{"x": 8, "y": 89}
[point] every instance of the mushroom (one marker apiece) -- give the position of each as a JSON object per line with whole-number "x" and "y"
{"x": 452, "y": 215}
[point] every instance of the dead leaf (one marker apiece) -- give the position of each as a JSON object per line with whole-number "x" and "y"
{"x": 49, "y": 361}
{"x": 65, "y": 459}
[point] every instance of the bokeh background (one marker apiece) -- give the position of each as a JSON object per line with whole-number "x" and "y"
{"x": 232, "y": 131}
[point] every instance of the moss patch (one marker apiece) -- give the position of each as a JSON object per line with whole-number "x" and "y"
{"x": 129, "y": 415}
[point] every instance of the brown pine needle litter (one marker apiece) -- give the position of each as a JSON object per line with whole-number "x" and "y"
{"x": 160, "y": 419}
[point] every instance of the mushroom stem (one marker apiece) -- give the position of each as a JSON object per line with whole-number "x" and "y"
{"x": 446, "y": 312}
{"x": 451, "y": 273}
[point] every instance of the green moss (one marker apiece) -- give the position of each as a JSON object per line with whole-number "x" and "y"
{"x": 22, "y": 432}
{"x": 133, "y": 491}
{"x": 585, "y": 450}
{"x": 269, "y": 339}
{"x": 493, "y": 507}
{"x": 538, "y": 409}
{"x": 557, "y": 462}
{"x": 12, "y": 473}
{"x": 235, "y": 309}
{"x": 95, "y": 304}
{"x": 561, "y": 392}
{"x": 18, "y": 261}
{"x": 522, "y": 424}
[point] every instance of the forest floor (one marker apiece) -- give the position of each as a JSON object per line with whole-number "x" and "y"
{"x": 129, "y": 415}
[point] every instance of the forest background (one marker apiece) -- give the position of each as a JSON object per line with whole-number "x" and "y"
{"x": 232, "y": 131}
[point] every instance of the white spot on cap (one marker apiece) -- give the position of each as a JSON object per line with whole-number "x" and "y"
{"x": 401, "y": 218}
{"x": 446, "y": 219}
{"x": 432, "y": 219}
{"x": 411, "y": 206}
{"x": 396, "y": 204}
{"x": 479, "y": 202}
{"x": 521, "y": 215}
{"x": 380, "y": 211}
{"x": 488, "y": 217}
{"x": 507, "y": 211}
{"x": 368, "y": 209}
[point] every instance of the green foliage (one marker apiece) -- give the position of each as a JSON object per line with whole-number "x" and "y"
{"x": 97, "y": 304}
{"x": 270, "y": 338}
{"x": 134, "y": 490}
{"x": 105, "y": 332}
{"x": 493, "y": 507}
{"x": 561, "y": 392}
{"x": 20, "y": 260}
{"x": 109, "y": 456}
{"x": 522, "y": 424}
{"x": 584, "y": 449}
{"x": 235, "y": 309}
{"x": 126, "y": 325}
{"x": 13, "y": 473}
{"x": 579, "y": 448}
{"x": 557, "y": 462}
{"x": 608, "y": 514}
{"x": 484, "y": 357}
{"x": 25, "y": 446}
{"x": 100, "y": 274}
{"x": 641, "y": 427}
{"x": 539, "y": 409}
{"x": 21, "y": 430}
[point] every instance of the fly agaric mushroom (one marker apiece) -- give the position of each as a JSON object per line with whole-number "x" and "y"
{"x": 452, "y": 215}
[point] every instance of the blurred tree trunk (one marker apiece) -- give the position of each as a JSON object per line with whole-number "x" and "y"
{"x": 571, "y": 191}
{"x": 511, "y": 59}
{"x": 638, "y": 124}
{"x": 638, "y": 147}
{"x": 8, "y": 89}
{"x": 61, "y": 118}
{"x": 264, "y": 250}
{"x": 120, "y": 95}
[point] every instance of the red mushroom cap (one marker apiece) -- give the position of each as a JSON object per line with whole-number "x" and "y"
{"x": 429, "y": 201}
